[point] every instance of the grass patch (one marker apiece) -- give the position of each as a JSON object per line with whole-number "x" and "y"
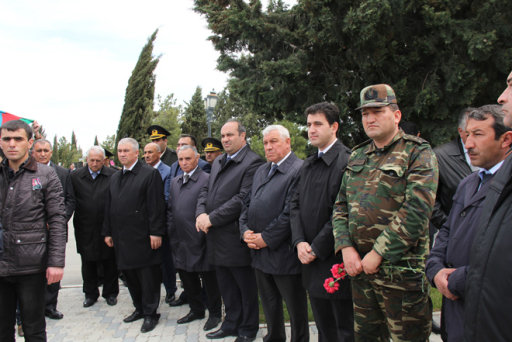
{"x": 436, "y": 297}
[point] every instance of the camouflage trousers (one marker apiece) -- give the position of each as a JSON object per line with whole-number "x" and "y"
{"x": 382, "y": 312}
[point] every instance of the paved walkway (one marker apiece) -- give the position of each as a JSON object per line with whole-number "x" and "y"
{"x": 102, "y": 322}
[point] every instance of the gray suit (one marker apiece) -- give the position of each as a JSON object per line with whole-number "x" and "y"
{"x": 277, "y": 268}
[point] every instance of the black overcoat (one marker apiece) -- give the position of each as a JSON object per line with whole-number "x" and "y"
{"x": 452, "y": 250}
{"x": 311, "y": 217}
{"x": 268, "y": 212}
{"x": 67, "y": 189}
{"x": 229, "y": 184}
{"x": 188, "y": 246}
{"x": 488, "y": 313}
{"x": 90, "y": 199}
{"x": 135, "y": 209}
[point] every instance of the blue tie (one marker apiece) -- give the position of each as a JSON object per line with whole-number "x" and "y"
{"x": 273, "y": 170}
{"x": 94, "y": 175}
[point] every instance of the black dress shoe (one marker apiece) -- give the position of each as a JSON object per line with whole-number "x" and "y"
{"x": 219, "y": 334}
{"x": 53, "y": 314}
{"x": 150, "y": 323}
{"x": 169, "y": 298}
{"x": 211, "y": 323}
{"x": 89, "y": 302}
{"x": 136, "y": 315}
{"x": 245, "y": 339}
{"x": 111, "y": 300}
{"x": 191, "y": 316}
{"x": 178, "y": 302}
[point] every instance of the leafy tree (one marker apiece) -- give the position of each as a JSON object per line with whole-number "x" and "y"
{"x": 55, "y": 151}
{"x": 439, "y": 56}
{"x": 194, "y": 117}
{"x": 298, "y": 139}
{"x": 67, "y": 153}
{"x": 167, "y": 117}
{"x": 109, "y": 143}
{"x": 138, "y": 101}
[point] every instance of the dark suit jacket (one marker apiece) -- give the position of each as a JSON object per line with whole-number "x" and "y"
{"x": 452, "y": 249}
{"x": 168, "y": 157}
{"x": 268, "y": 212}
{"x": 187, "y": 245}
{"x": 311, "y": 214}
{"x": 90, "y": 196}
{"x": 135, "y": 209}
{"x": 452, "y": 169}
{"x": 176, "y": 169}
{"x": 67, "y": 189}
{"x": 222, "y": 200}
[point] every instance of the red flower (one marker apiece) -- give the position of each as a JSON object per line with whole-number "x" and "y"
{"x": 338, "y": 271}
{"x": 331, "y": 285}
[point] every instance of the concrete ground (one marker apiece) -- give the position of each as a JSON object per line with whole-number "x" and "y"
{"x": 102, "y": 322}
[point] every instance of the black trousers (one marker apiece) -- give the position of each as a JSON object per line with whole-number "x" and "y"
{"x": 90, "y": 278}
{"x": 273, "y": 289}
{"x": 51, "y": 295}
{"x": 28, "y": 291}
{"x": 238, "y": 290}
{"x": 334, "y": 319}
{"x": 168, "y": 270}
{"x": 144, "y": 287}
{"x": 192, "y": 285}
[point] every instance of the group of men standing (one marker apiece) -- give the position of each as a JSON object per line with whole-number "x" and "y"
{"x": 233, "y": 225}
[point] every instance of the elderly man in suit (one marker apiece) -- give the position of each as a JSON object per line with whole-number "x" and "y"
{"x": 152, "y": 157}
{"x": 42, "y": 153}
{"x": 90, "y": 185}
{"x": 189, "y": 245}
{"x": 265, "y": 227}
{"x": 218, "y": 210}
{"x": 190, "y": 140}
{"x": 134, "y": 225}
{"x": 488, "y": 145}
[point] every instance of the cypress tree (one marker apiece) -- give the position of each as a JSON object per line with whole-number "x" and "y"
{"x": 55, "y": 151}
{"x": 96, "y": 143}
{"x": 138, "y": 101}
{"x": 194, "y": 117}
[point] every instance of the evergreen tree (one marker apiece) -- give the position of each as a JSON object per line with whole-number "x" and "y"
{"x": 96, "y": 141}
{"x": 167, "y": 117}
{"x": 439, "y": 56}
{"x": 73, "y": 140}
{"x": 67, "y": 153}
{"x": 194, "y": 117}
{"x": 109, "y": 143}
{"x": 55, "y": 151}
{"x": 138, "y": 101}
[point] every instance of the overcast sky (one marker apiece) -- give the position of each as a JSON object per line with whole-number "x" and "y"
{"x": 66, "y": 64}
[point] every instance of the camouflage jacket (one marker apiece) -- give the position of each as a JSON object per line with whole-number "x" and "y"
{"x": 385, "y": 200}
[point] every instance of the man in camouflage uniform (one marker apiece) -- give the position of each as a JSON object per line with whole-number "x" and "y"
{"x": 380, "y": 222}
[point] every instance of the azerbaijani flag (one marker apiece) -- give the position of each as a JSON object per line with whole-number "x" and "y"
{"x": 8, "y": 117}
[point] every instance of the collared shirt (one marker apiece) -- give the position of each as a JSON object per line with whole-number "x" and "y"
{"x": 129, "y": 168}
{"x": 324, "y": 151}
{"x": 236, "y": 153}
{"x": 492, "y": 170}
{"x": 191, "y": 172}
{"x": 282, "y": 160}
{"x": 91, "y": 172}
{"x": 157, "y": 164}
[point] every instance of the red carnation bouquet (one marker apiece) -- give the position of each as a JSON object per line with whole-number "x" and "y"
{"x": 338, "y": 272}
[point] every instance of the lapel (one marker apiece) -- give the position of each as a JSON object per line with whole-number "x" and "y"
{"x": 473, "y": 196}
{"x": 283, "y": 168}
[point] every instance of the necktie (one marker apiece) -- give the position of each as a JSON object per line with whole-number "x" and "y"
{"x": 126, "y": 171}
{"x": 273, "y": 170}
{"x": 320, "y": 154}
{"x": 484, "y": 178}
{"x": 94, "y": 175}
{"x": 225, "y": 160}
{"x": 186, "y": 178}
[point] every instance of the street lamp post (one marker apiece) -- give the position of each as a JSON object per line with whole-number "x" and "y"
{"x": 209, "y": 104}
